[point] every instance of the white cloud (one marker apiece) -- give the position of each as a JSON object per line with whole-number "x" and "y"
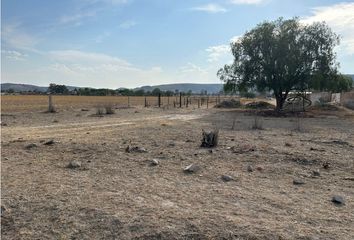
{"x": 217, "y": 52}
{"x": 127, "y": 24}
{"x": 192, "y": 68}
{"x": 221, "y": 52}
{"x": 246, "y": 2}
{"x": 235, "y": 38}
{"x": 77, "y": 18}
{"x": 210, "y": 8}
{"x": 87, "y": 58}
{"x": 102, "y": 36}
{"x": 340, "y": 17}
{"x": 14, "y": 55}
{"x": 15, "y": 37}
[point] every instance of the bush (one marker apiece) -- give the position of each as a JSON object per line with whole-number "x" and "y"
{"x": 109, "y": 109}
{"x": 99, "y": 111}
{"x": 259, "y": 105}
{"x": 229, "y": 104}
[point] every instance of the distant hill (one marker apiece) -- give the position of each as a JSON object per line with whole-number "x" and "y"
{"x": 185, "y": 87}
{"x": 27, "y": 87}
{"x": 22, "y": 87}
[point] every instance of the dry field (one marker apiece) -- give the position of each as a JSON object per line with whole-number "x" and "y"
{"x": 30, "y": 103}
{"x": 116, "y": 194}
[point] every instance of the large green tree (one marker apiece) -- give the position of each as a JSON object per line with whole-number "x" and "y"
{"x": 282, "y": 56}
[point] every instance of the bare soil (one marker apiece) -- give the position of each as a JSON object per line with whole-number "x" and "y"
{"x": 120, "y": 195}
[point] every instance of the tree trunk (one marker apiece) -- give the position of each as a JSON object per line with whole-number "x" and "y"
{"x": 280, "y": 102}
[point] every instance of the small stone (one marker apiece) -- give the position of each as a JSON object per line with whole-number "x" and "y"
{"x": 129, "y": 149}
{"x": 155, "y": 162}
{"x": 6, "y": 158}
{"x": 172, "y": 144}
{"x": 3, "y": 124}
{"x": 55, "y": 121}
{"x": 338, "y": 200}
{"x": 232, "y": 139}
{"x": 259, "y": 168}
{"x": 50, "y": 142}
{"x": 288, "y": 144}
{"x": 74, "y": 164}
{"x": 3, "y": 210}
{"x": 85, "y": 110}
{"x": 191, "y": 168}
{"x": 210, "y": 150}
{"x": 316, "y": 173}
{"x": 326, "y": 165}
{"x": 31, "y": 145}
{"x": 188, "y": 140}
{"x": 140, "y": 150}
{"x": 298, "y": 182}
{"x": 227, "y": 178}
{"x": 250, "y": 168}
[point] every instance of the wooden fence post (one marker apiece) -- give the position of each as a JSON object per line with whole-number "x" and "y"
{"x": 145, "y": 102}
{"x": 128, "y": 101}
{"x": 198, "y": 102}
{"x": 159, "y": 99}
{"x": 207, "y": 102}
{"x": 180, "y": 100}
{"x": 50, "y": 104}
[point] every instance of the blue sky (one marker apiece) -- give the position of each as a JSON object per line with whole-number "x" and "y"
{"x": 130, "y": 43}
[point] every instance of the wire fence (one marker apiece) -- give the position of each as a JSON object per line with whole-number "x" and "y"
{"x": 19, "y": 103}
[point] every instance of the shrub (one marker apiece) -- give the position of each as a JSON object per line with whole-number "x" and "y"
{"x": 229, "y": 104}
{"x": 99, "y": 111}
{"x": 259, "y": 105}
{"x": 109, "y": 109}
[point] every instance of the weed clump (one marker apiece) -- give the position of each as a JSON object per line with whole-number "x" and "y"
{"x": 229, "y": 104}
{"x": 109, "y": 109}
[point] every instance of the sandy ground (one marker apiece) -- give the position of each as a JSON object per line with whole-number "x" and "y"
{"x": 119, "y": 195}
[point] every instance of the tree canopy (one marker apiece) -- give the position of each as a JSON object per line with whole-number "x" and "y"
{"x": 57, "y": 89}
{"x": 283, "y": 56}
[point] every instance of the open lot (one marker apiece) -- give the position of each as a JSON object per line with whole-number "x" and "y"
{"x": 119, "y": 195}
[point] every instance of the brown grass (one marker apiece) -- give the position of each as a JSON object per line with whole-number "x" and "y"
{"x": 119, "y": 195}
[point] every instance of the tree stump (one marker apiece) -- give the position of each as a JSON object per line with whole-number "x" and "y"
{"x": 210, "y": 139}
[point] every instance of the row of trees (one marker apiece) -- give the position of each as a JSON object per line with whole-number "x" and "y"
{"x": 62, "y": 89}
{"x": 283, "y": 56}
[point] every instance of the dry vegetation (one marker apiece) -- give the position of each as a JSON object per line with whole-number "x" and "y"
{"x": 143, "y": 193}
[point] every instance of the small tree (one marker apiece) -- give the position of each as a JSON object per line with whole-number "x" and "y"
{"x": 57, "y": 89}
{"x": 282, "y": 56}
{"x": 156, "y": 92}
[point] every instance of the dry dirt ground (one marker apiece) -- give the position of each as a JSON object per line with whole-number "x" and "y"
{"x": 120, "y": 195}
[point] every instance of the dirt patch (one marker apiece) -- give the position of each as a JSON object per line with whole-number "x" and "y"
{"x": 119, "y": 195}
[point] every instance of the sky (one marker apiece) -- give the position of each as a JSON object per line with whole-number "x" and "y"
{"x": 131, "y": 43}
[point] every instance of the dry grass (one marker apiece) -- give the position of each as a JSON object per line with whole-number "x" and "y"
{"x": 34, "y": 103}
{"x": 119, "y": 195}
